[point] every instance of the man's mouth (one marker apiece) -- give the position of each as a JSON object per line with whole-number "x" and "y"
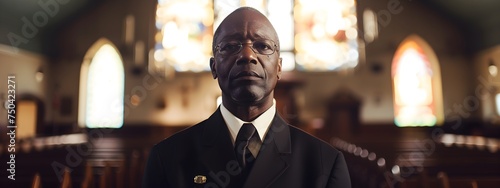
{"x": 247, "y": 75}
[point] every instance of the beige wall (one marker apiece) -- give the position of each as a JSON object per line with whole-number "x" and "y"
{"x": 487, "y": 86}
{"x": 24, "y": 66}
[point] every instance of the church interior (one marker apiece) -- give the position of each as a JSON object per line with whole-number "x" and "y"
{"x": 407, "y": 90}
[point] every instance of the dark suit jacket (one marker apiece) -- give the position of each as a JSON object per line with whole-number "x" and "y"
{"x": 288, "y": 158}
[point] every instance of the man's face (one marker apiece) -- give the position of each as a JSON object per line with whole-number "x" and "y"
{"x": 248, "y": 75}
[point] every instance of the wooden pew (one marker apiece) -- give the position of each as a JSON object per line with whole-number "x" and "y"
{"x": 66, "y": 182}
{"x": 36, "y": 181}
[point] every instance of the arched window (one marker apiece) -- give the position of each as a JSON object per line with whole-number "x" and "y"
{"x": 416, "y": 80}
{"x": 102, "y": 83}
{"x": 497, "y": 103}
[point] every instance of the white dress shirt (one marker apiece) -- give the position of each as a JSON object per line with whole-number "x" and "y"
{"x": 261, "y": 123}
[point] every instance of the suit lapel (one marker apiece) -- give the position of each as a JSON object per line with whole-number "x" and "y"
{"x": 274, "y": 156}
{"x": 217, "y": 145}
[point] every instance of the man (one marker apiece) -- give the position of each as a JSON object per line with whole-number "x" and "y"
{"x": 245, "y": 143}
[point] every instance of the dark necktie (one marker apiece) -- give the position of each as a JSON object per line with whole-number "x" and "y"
{"x": 248, "y": 140}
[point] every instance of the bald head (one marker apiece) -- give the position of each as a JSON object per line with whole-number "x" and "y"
{"x": 242, "y": 18}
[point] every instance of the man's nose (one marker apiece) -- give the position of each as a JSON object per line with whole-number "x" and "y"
{"x": 247, "y": 54}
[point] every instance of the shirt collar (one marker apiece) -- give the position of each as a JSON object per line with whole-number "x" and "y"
{"x": 261, "y": 123}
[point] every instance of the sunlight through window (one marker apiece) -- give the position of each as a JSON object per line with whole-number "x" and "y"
{"x": 317, "y": 35}
{"x": 414, "y": 95}
{"x": 326, "y": 34}
{"x": 105, "y": 89}
{"x": 497, "y": 101}
{"x": 184, "y": 37}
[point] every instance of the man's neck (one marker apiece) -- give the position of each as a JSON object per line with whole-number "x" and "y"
{"x": 248, "y": 112}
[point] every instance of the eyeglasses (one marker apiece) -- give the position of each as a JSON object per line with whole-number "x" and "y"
{"x": 264, "y": 47}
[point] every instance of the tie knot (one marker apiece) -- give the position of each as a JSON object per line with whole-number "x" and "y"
{"x": 246, "y": 132}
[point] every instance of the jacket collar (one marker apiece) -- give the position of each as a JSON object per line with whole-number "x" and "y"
{"x": 274, "y": 156}
{"x": 273, "y": 159}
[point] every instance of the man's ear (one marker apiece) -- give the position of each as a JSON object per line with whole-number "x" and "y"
{"x": 212, "y": 67}
{"x": 279, "y": 67}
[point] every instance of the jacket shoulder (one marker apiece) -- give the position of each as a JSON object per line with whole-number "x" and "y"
{"x": 182, "y": 137}
{"x": 323, "y": 156}
{"x": 303, "y": 138}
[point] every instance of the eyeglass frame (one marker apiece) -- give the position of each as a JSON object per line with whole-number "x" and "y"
{"x": 274, "y": 47}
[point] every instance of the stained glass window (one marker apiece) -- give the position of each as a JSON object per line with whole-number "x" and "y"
{"x": 184, "y": 37}
{"x": 416, "y": 93}
{"x": 326, "y": 34}
{"x": 316, "y": 35}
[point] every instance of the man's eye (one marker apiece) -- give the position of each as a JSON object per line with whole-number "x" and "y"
{"x": 231, "y": 47}
{"x": 261, "y": 46}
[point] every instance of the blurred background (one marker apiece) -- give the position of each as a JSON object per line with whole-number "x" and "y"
{"x": 408, "y": 90}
